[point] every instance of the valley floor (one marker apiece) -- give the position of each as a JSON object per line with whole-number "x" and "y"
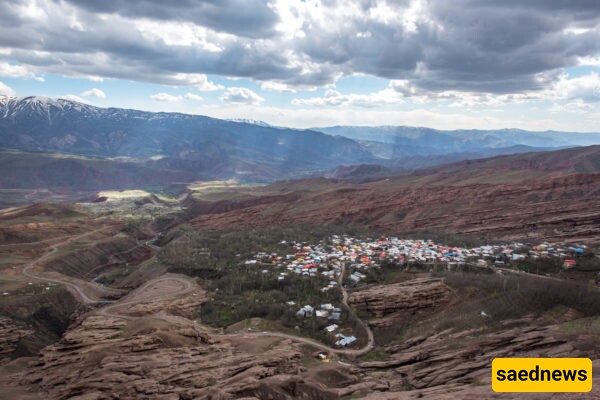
{"x": 176, "y": 314}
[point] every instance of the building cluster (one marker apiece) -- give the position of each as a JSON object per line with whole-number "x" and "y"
{"x": 327, "y": 311}
{"x": 326, "y": 258}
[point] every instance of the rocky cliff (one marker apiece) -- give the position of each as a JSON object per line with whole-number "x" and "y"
{"x": 409, "y": 296}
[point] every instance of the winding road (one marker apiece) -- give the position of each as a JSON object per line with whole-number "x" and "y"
{"x": 137, "y": 297}
{"x": 353, "y": 352}
{"x": 84, "y": 297}
{"x": 186, "y": 285}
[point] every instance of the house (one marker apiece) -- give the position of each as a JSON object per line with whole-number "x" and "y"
{"x": 344, "y": 340}
{"x": 331, "y": 328}
{"x": 322, "y": 314}
{"x": 568, "y": 264}
{"x": 335, "y": 316}
{"x": 305, "y": 312}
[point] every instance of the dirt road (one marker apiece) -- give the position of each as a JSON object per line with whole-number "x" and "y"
{"x": 84, "y": 297}
{"x": 184, "y": 286}
{"x": 145, "y": 293}
{"x": 370, "y": 338}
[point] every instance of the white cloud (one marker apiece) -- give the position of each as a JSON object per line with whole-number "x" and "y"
{"x": 198, "y": 81}
{"x": 94, "y": 92}
{"x": 6, "y": 90}
{"x": 577, "y": 106}
{"x": 241, "y": 95}
{"x": 272, "y": 86}
{"x": 312, "y": 43}
{"x": 169, "y": 98}
{"x": 450, "y": 119}
{"x": 73, "y": 97}
{"x": 585, "y": 87}
{"x": 192, "y": 96}
{"x": 17, "y": 71}
{"x": 165, "y": 97}
{"x": 335, "y": 98}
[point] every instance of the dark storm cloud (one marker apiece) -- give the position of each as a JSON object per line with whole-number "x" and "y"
{"x": 468, "y": 45}
{"x": 501, "y": 46}
{"x": 250, "y": 18}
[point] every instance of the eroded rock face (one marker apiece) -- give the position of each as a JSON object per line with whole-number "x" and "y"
{"x": 148, "y": 346}
{"x": 413, "y": 295}
{"x": 552, "y": 208}
{"x": 106, "y": 357}
{"x": 10, "y": 333}
{"x": 451, "y": 366}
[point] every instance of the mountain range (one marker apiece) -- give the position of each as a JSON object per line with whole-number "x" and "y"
{"x": 399, "y": 141}
{"x": 123, "y": 147}
{"x": 207, "y": 146}
{"x": 541, "y": 196}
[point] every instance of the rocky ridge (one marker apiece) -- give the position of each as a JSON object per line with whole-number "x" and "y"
{"x": 409, "y": 296}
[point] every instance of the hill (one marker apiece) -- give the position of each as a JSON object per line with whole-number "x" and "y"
{"x": 399, "y": 141}
{"x": 38, "y": 170}
{"x": 245, "y": 149}
{"x": 196, "y": 143}
{"x": 536, "y": 196}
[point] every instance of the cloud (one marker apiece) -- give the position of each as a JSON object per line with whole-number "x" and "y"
{"x": 337, "y": 99}
{"x": 306, "y": 117}
{"x": 73, "y": 97}
{"x": 165, "y": 97}
{"x": 198, "y": 81}
{"x": 6, "y": 90}
{"x": 585, "y": 87}
{"x": 241, "y": 95}
{"x": 246, "y": 18}
{"x": 17, "y": 71}
{"x": 577, "y": 106}
{"x": 574, "y": 92}
{"x": 94, "y": 92}
{"x": 433, "y": 46}
{"x": 271, "y": 86}
{"x": 193, "y": 97}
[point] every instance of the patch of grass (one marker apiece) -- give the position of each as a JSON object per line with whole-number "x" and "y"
{"x": 587, "y": 326}
{"x": 502, "y": 298}
{"x": 377, "y": 354}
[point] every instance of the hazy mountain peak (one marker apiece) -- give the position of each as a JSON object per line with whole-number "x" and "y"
{"x": 250, "y": 121}
{"x": 5, "y": 99}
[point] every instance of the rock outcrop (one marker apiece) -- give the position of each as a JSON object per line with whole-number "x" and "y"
{"x": 11, "y": 332}
{"x": 104, "y": 357}
{"x": 410, "y": 296}
{"x": 547, "y": 207}
{"x": 458, "y": 365}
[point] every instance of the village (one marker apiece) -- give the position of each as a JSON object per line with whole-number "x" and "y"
{"x": 343, "y": 262}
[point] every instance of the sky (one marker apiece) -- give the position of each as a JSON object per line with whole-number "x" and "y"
{"x": 309, "y": 63}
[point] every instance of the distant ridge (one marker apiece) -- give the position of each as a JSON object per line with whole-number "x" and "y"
{"x": 212, "y": 147}
{"x": 245, "y": 149}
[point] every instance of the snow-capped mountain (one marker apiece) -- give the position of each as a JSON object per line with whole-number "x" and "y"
{"x": 41, "y": 106}
{"x": 250, "y": 121}
{"x": 190, "y": 142}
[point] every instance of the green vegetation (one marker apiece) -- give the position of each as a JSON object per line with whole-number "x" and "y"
{"x": 517, "y": 298}
{"x": 239, "y": 292}
{"x": 210, "y": 253}
{"x": 247, "y": 292}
